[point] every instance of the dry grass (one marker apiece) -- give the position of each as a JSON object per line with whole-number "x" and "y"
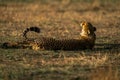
{"x": 56, "y": 19}
{"x": 106, "y": 73}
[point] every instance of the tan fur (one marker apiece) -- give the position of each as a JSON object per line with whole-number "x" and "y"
{"x": 86, "y": 41}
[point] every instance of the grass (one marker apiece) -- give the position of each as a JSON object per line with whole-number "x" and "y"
{"x": 56, "y": 19}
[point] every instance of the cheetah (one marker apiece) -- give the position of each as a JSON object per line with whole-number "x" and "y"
{"x": 85, "y": 41}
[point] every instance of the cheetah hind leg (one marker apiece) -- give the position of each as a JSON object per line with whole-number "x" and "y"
{"x": 15, "y": 45}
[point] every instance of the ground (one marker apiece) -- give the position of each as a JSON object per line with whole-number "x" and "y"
{"x": 56, "y": 18}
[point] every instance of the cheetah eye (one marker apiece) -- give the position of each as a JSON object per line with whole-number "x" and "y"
{"x": 83, "y": 23}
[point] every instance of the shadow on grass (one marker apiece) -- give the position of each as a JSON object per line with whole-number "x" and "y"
{"x": 106, "y": 46}
{"x": 98, "y": 47}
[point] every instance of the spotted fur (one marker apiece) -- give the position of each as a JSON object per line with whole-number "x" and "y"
{"x": 86, "y": 40}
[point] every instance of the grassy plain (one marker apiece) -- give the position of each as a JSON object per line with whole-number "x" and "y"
{"x": 56, "y": 19}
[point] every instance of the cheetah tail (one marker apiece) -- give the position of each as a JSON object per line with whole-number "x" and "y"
{"x": 35, "y": 29}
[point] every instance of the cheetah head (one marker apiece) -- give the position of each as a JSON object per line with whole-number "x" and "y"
{"x": 87, "y": 29}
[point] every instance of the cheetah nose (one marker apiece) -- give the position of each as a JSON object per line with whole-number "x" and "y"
{"x": 81, "y": 24}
